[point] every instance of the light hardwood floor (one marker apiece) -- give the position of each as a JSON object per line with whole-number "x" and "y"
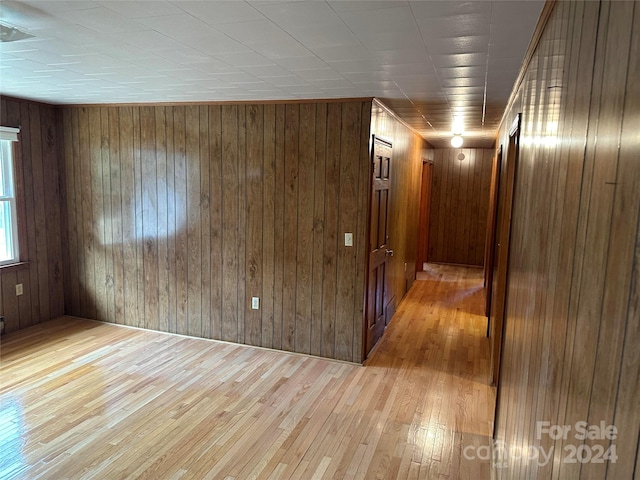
{"x": 83, "y": 399}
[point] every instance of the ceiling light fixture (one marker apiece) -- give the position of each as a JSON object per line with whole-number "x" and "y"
{"x": 457, "y": 128}
{"x": 12, "y": 34}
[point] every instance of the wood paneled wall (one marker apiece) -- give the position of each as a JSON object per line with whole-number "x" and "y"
{"x": 42, "y": 276}
{"x": 404, "y": 202}
{"x": 459, "y": 204}
{"x": 573, "y": 310}
{"x": 178, "y": 215}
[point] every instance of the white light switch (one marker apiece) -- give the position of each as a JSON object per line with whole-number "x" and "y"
{"x": 19, "y": 289}
{"x": 348, "y": 239}
{"x": 255, "y": 303}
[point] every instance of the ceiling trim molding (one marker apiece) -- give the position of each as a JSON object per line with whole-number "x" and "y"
{"x": 223, "y": 102}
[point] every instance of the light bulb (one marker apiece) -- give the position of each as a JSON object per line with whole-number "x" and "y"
{"x": 456, "y": 141}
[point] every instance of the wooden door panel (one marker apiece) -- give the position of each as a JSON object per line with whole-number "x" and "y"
{"x": 377, "y": 289}
{"x": 506, "y": 187}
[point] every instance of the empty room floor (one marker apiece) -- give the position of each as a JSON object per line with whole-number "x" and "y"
{"x": 83, "y": 399}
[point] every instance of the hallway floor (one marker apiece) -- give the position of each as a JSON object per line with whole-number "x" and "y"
{"x": 83, "y": 399}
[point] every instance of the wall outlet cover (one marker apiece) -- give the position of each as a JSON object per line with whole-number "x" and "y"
{"x": 348, "y": 239}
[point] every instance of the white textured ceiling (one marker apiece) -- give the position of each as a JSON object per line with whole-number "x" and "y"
{"x": 426, "y": 60}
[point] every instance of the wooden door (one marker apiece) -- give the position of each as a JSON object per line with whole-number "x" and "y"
{"x": 491, "y": 232}
{"x": 501, "y": 252}
{"x": 425, "y": 211}
{"x": 378, "y": 293}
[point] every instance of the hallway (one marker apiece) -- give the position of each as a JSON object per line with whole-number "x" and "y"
{"x": 437, "y": 340}
{"x": 84, "y": 399}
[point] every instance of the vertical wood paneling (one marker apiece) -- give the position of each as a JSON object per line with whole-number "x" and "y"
{"x": 362, "y": 247}
{"x": 204, "y": 207}
{"x": 42, "y": 278}
{"x": 51, "y": 191}
{"x": 306, "y": 200}
{"x": 572, "y": 310}
{"x": 163, "y": 198}
{"x": 138, "y": 218}
{"x": 255, "y": 214}
{"x": 96, "y": 232}
{"x": 626, "y": 207}
{"x": 318, "y": 227}
{"x": 242, "y": 220}
{"x": 20, "y": 116}
{"x": 459, "y": 202}
{"x": 75, "y": 214}
{"x": 68, "y": 190}
{"x": 279, "y": 249}
{"x": 107, "y": 215}
{"x": 347, "y": 222}
{"x": 205, "y": 223}
{"x": 291, "y": 142}
{"x": 484, "y": 192}
{"x": 331, "y": 245}
{"x": 39, "y": 201}
{"x": 194, "y": 234}
{"x": 128, "y": 220}
{"x": 115, "y": 197}
{"x": 268, "y": 225}
{"x": 10, "y": 310}
{"x": 215, "y": 213}
{"x": 149, "y": 212}
{"x": 181, "y": 219}
{"x": 230, "y": 221}
{"x": 171, "y": 222}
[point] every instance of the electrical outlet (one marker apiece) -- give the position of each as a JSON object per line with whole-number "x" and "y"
{"x": 19, "y": 290}
{"x": 255, "y": 303}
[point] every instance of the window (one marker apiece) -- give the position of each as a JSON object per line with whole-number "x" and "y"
{"x": 9, "y": 245}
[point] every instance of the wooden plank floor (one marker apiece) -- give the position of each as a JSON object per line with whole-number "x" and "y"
{"x": 82, "y": 399}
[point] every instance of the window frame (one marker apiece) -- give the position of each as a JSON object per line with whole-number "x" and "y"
{"x": 12, "y": 137}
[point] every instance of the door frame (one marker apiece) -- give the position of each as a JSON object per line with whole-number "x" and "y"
{"x": 425, "y": 214}
{"x": 501, "y": 244}
{"x": 491, "y": 231}
{"x": 500, "y": 301}
{"x": 365, "y": 330}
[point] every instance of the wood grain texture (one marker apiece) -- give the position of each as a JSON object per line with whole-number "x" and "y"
{"x": 42, "y": 278}
{"x": 184, "y": 213}
{"x": 404, "y": 203}
{"x": 572, "y": 311}
{"x": 218, "y": 410}
{"x": 459, "y": 203}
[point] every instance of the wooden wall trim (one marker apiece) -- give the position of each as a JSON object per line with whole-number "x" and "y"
{"x": 217, "y": 102}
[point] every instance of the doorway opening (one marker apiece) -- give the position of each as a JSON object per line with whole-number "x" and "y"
{"x": 380, "y": 302}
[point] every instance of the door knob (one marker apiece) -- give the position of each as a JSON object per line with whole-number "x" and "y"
{"x": 389, "y": 253}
